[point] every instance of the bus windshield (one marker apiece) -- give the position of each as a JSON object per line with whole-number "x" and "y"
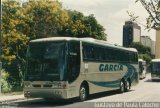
{"x": 156, "y": 67}
{"x": 46, "y": 61}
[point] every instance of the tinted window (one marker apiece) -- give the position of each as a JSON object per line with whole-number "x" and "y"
{"x": 102, "y": 53}
{"x": 156, "y": 67}
{"x": 88, "y": 52}
{"x": 46, "y": 61}
{"x": 133, "y": 57}
{"x": 74, "y": 60}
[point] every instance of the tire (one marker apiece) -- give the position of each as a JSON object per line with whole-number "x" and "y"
{"x": 122, "y": 87}
{"x": 83, "y": 94}
{"x": 145, "y": 75}
{"x": 127, "y": 86}
{"x": 153, "y": 80}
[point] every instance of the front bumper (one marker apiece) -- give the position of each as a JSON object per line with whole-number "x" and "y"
{"x": 46, "y": 93}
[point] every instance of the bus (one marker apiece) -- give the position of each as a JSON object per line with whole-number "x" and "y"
{"x": 142, "y": 68}
{"x": 155, "y": 69}
{"x": 67, "y": 67}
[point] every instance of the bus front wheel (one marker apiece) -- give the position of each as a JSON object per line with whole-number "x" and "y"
{"x": 83, "y": 93}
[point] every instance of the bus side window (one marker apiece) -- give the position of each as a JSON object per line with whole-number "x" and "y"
{"x": 108, "y": 55}
{"x": 98, "y": 54}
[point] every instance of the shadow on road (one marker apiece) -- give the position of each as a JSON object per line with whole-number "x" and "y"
{"x": 104, "y": 94}
{"x": 150, "y": 80}
{"x": 40, "y": 103}
{"x": 73, "y": 102}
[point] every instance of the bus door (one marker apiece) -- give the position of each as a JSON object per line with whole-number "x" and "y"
{"x": 73, "y": 61}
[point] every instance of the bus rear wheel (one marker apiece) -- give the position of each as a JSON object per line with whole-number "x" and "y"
{"x": 83, "y": 93}
{"x": 122, "y": 86}
{"x": 127, "y": 86}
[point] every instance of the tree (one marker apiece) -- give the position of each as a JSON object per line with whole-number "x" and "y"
{"x": 144, "y": 51}
{"x": 153, "y": 8}
{"x": 141, "y": 48}
{"x": 83, "y": 26}
{"x": 14, "y": 42}
{"x": 44, "y": 18}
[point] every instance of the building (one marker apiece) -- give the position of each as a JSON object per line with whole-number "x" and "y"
{"x": 147, "y": 41}
{"x": 157, "y": 44}
{"x": 153, "y": 48}
{"x": 131, "y": 33}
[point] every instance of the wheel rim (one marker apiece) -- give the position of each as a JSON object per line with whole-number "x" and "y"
{"x": 127, "y": 85}
{"x": 82, "y": 93}
{"x": 122, "y": 87}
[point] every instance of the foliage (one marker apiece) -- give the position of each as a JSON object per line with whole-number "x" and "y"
{"x": 44, "y": 18}
{"x": 145, "y": 57}
{"x": 83, "y": 26}
{"x": 6, "y": 87}
{"x": 144, "y": 51}
{"x": 153, "y": 9}
{"x": 141, "y": 48}
{"x": 14, "y": 41}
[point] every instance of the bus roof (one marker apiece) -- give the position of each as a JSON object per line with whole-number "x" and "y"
{"x": 89, "y": 40}
{"x": 55, "y": 39}
{"x": 155, "y": 60}
{"x": 141, "y": 60}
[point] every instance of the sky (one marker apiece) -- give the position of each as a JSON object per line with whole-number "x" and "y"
{"x": 111, "y": 14}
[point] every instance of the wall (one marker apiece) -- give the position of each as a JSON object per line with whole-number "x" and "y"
{"x": 157, "y": 44}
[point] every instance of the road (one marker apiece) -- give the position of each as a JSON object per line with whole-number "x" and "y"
{"x": 145, "y": 91}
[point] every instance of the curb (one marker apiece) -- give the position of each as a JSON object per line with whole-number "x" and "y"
{"x": 3, "y": 99}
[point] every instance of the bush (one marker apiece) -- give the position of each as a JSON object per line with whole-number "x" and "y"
{"x": 6, "y": 87}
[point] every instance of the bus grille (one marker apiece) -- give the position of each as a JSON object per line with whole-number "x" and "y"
{"x": 47, "y": 85}
{"x": 37, "y": 85}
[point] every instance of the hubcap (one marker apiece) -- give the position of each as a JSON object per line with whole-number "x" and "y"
{"x": 82, "y": 93}
{"x": 122, "y": 87}
{"x": 127, "y": 86}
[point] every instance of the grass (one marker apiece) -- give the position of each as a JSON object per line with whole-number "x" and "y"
{"x": 15, "y": 91}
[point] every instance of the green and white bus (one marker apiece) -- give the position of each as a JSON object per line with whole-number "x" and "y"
{"x": 65, "y": 67}
{"x": 155, "y": 69}
{"x": 142, "y": 68}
